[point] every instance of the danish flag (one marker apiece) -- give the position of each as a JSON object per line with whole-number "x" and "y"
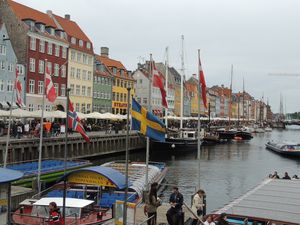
{"x": 202, "y": 82}
{"x": 157, "y": 81}
{"x": 50, "y": 90}
{"x": 18, "y": 87}
{"x": 74, "y": 122}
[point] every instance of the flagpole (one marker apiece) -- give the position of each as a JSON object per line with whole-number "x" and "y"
{"x": 199, "y": 122}
{"x": 8, "y": 131}
{"x": 65, "y": 155}
{"x": 126, "y": 159}
{"x": 167, "y": 77}
{"x": 41, "y": 131}
{"x": 181, "y": 83}
{"x": 149, "y": 110}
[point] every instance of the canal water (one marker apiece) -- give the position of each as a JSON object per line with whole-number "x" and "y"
{"x": 226, "y": 171}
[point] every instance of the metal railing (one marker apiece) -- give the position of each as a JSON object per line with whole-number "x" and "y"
{"x": 145, "y": 221}
{"x": 196, "y": 216}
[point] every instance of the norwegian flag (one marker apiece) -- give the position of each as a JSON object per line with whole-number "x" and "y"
{"x": 74, "y": 122}
{"x": 202, "y": 82}
{"x": 158, "y": 81}
{"x": 50, "y": 90}
{"x": 18, "y": 87}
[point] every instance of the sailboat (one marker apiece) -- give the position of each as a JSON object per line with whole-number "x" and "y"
{"x": 184, "y": 139}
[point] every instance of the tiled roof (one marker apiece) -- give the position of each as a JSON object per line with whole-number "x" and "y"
{"x": 106, "y": 72}
{"x": 72, "y": 28}
{"x": 25, "y": 12}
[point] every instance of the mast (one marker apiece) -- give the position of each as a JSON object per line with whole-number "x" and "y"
{"x": 238, "y": 122}
{"x": 230, "y": 98}
{"x": 167, "y": 77}
{"x": 243, "y": 100}
{"x": 181, "y": 81}
{"x": 199, "y": 102}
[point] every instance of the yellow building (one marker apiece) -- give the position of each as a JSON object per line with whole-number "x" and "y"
{"x": 121, "y": 80}
{"x": 80, "y": 64}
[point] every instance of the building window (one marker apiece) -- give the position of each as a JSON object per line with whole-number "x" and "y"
{"x": 2, "y": 65}
{"x": 117, "y": 97}
{"x": 77, "y": 89}
{"x": 73, "y": 55}
{"x": 95, "y": 94}
{"x": 125, "y": 84}
{"x": 77, "y": 107}
{"x": 10, "y": 86}
{"x": 10, "y": 67}
{"x": 78, "y": 74}
{"x": 63, "y": 90}
{"x": 49, "y": 49}
{"x": 122, "y": 73}
{"x": 30, "y": 107}
{"x": 88, "y": 45}
{"x": 2, "y": 50}
{"x": 88, "y": 108}
{"x": 118, "y": 83}
{"x": 80, "y": 43}
{"x": 72, "y": 89}
{"x": 42, "y": 28}
{"x": 1, "y": 85}
{"x": 83, "y": 107}
{"x": 73, "y": 41}
{"x": 40, "y": 87}
{"x": 84, "y": 58}
{"x": 56, "y": 70}
{"x": 32, "y": 43}
{"x": 89, "y": 92}
{"x": 41, "y": 66}
{"x": 57, "y": 48}
{"x": 56, "y": 87}
{"x": 83, "y": 74}
{"x": 32, "y": 65}
{"x": 114, "y": 69}
{"x": 49, "y": 66}
{"x": 121, "y": 83}
{"x": 113, "y": 96}
{"x": 83, "y": 88}
{"x": 89, "y": 75}
{"x": 48, "y": 108}
{"x": 42, "y": 46}
{"x": 63, "y": 71}
{"x": 79, "y": 57}
{"x": 145, "y": 101}
{"x": 72, "y": 72}
{"x": 31, "y": 86}
{"x": 64, "y": 52}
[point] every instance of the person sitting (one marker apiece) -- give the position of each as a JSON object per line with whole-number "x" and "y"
{"x": 286, "y": 176}
{"x": 223, "y": 219}
{"x": 275, "y": 175}
{"x": 55, "y": 217}
{"x": 176, "y": 202}
{"x": 295, "y": 177}
{"x": 209, "y": 220}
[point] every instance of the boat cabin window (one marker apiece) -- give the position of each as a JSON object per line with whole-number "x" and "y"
{"x": 70, "y": 212}
{"x": 40, "y": 211}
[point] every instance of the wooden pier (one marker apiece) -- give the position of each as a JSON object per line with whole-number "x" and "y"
{"x": 53, "y": 147}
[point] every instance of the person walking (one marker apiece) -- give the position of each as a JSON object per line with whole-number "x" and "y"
{"x": 197, "y": 206}
{"x": 54, "y": 215}
{"x": 153, "y": 202}
{"x": 175, "y": 212}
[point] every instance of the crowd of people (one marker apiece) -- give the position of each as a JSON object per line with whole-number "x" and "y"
{"x": 285, "y": 177}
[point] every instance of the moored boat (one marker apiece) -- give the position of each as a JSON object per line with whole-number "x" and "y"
{"x": 242, "y": 135}
{"x": 286, "y": 148}
{"x": 274, "y": 201}
{"x": 102, "y": 186}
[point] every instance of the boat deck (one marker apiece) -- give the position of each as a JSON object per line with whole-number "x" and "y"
{"x": 274, "y": 199}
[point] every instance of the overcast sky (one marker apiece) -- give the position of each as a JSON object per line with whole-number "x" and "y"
{"x": 256, "y": 36}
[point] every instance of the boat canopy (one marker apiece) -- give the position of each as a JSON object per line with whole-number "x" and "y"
{"x": 8, "y": 175}
{"x": 97, "y": 175}
{"x": 70, "y": 202}
{"x": 274, "y": 199}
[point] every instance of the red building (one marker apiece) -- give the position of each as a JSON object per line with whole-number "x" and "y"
{"x": 38, "y": 41}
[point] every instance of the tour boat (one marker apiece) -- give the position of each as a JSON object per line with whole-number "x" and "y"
{"x": 98, "y": 188}
{"x": 51, "y": 169}
{"x": 287, "y": 148}
{"x": 242, "y": 135}
{"x": 274, "y": 201}
{"x": 226, "y": 134}
{"x": 268, "y": 129}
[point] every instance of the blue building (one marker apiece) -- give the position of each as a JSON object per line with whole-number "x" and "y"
{"x": 8, "y": 63}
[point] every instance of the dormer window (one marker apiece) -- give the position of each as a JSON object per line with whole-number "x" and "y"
{"x": 30, "y": 23}
{"x": 122, "y": 72}
{"x": 88, "y": 45}
{"x": 50, "y": 30}
{"x": 80, "y": 43}
{"x": 73, "y": 41}
{"x": 114, "y": 70}
{"x": 41, "y": 27}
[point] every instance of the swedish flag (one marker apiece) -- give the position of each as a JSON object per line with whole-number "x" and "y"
{"x": 146, "y": 122}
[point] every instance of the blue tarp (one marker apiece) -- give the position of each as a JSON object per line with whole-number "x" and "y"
{"x": 116, "y": 177}
{"x": 7, "y": 175}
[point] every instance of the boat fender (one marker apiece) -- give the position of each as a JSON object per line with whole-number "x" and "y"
{"x": 21, "y": 209}
{"x": 173, "y": 146}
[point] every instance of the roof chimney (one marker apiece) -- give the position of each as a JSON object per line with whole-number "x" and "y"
{"x": 104, "y": 51}
{"x": 68, "y": 17}
{"x": 49, "y": 12}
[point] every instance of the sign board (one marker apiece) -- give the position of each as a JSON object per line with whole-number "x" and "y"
{"x": 131, "y": 211}
{"x": 87, "y": 177}
{"x": 3, "y": 202}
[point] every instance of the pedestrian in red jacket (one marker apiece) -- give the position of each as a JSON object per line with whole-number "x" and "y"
{"x": 54, "y": 215}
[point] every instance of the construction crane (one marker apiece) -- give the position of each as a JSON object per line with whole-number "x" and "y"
{"x": 284, "y": 74}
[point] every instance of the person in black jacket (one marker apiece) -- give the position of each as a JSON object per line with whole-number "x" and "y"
{"x": 176, "y": 202}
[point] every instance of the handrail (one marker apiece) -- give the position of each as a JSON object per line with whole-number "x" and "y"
{"x": 143, "y": 222}
{"x": 191, "y": 211}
